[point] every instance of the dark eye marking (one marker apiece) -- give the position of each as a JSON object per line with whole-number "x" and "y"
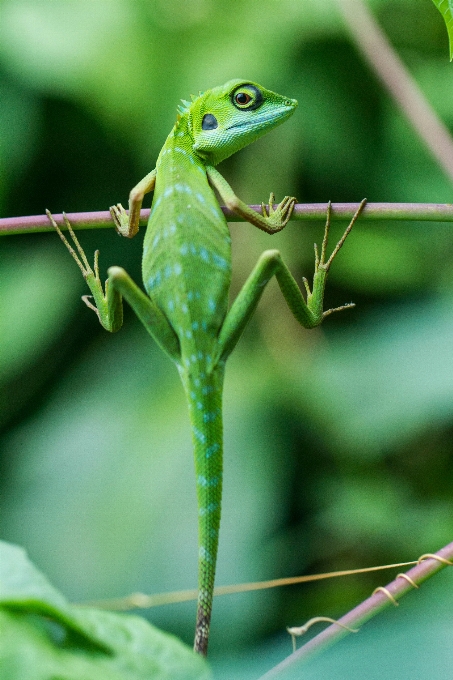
{"x": 209, "y": 122}
{"x": 247, "y": 97}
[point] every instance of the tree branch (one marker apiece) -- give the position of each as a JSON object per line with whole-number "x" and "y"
{"x": 423, "y": 212}
{"x": 385, "y": 62}
{"x": 427, "y": 567}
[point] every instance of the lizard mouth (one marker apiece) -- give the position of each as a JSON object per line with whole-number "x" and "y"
{"x": 263, "y": 119}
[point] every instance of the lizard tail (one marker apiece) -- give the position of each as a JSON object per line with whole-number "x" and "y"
{"x": 205, "y": 405}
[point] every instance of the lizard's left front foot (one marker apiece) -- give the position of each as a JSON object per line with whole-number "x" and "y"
{"x": 120, "y": 219}
{"x": 277, "y": 218}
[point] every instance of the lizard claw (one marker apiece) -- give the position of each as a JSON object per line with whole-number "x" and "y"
{"x": 271, "y": 202}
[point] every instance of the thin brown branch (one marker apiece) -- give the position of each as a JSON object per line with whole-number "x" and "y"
{"x": 379, "y": 600}
{"x": 389, "y": 68}
{"x": 142, "y": 601}
{"x": 423, "y": 212}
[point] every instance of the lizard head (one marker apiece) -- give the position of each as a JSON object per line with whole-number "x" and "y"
{"x": 227, "y": 118}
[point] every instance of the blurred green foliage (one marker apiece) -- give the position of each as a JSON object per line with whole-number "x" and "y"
{"x": 43, "y": 636}
{"x": 446, "y": 9}
{"x": 338, "y": 441}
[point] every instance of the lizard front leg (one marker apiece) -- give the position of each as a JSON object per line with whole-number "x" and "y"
{"x": 272, "y": 219}
{"x": 127, "y": 225}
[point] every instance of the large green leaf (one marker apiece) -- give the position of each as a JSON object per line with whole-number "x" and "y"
{"x": 445, "y": 7}
{"x": 42, "y": 636}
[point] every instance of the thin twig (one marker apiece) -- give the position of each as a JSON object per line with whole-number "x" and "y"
{"x": 422, "y": 212}
{"x": 142, "y": 601}
{"x": 426, "y": 567}
{"x": 389, "y": 68}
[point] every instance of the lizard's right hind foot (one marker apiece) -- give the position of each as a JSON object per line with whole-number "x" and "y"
{"x": 80, "y": 258}
{"x": 108, "y": 308}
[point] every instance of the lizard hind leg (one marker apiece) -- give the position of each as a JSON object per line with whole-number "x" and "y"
{"x": 309, "y": 312}
{"x": 151, "y": 316}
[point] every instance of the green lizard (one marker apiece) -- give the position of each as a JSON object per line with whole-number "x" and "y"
{"x": 187, "y": 271}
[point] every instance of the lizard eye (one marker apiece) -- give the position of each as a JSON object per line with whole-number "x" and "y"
{"x": 247, "y": 97}
{"x": 242, "y": 98}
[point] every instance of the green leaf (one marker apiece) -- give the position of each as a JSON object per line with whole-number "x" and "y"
{"x": 445, "y": 7}
{"x": 42, "y": 636}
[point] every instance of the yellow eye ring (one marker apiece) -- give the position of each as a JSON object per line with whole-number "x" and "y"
{"x": 247, "y": 96}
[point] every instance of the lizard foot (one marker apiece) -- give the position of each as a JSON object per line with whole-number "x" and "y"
{"x": 277, "y": 218}
{"x": 91, "y": 275}
{"x": 120, "y": 219}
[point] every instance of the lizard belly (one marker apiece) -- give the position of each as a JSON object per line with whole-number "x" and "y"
{"x": 187, "y": 265}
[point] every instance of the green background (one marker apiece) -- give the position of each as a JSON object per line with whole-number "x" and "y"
{"x": 338, "y": 448}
